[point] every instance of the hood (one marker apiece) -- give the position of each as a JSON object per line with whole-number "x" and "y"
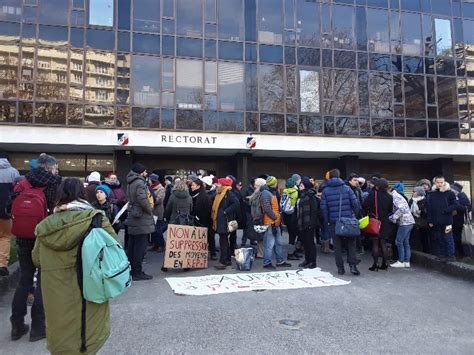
{"x": 264, "y": 187}
{"x": 446, "y": 187}
{"x": 181, "y": 194}
{"x": 290, "y": 190}
{"x": 132, "y": 176}
{"x": 5, "y": 164}
{"x": 334, "y": 182}
{"x": 51, "y": 231}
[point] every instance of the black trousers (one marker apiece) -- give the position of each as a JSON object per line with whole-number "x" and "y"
{"x": 337, "y": 241}
{"x": 211, "y": 240}
{"x": 225, "y": 248}
{"x": 136, "y": 248}
{"x": 309, "y": 245}
{"x": 292, "y": 226}
{"x": 25, "y": 285}
{"x": 457, "y": 235}
{"x": 232, "y": 242}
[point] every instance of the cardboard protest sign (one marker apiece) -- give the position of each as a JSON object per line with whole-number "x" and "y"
{"x": 186, "y": 247}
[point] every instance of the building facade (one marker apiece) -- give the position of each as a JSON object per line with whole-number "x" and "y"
{"x": 372, "y": 85}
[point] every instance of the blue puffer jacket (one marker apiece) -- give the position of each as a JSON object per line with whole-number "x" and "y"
{"x": 330, "y": 201}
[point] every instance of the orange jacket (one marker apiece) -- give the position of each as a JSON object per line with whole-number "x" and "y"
{"x": 276, "y": 210}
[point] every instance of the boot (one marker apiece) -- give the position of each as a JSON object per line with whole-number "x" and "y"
{"x": 18, "y": 330}
{"x": 325, "y": 247}
{"x": 354, "y": 270}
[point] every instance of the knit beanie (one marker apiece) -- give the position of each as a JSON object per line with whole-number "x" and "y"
{"x": 207, "y": 180}
{"x": 423, "y": 182}
{"x": 33, "y": 164}
{"x": 260, "y": 182}
{"x": 290, "y": 183}
{"x": 169, "y": 178}
{"x": 456, "y": 186}
{"x": 154, "y": 178}
{"x": 138, "y": 168}
{"x": 225, "y": 181}
{"x": 104, "y": 188}
{"x": 94, "y": 177}
{"x": 306, "y": 182}
{"x": 3, "y": 155}
{"x": 296, "y": 177}
{"x": 272, "y": 181}
{"x": 400, "y": 187}
{"x": 419, "y": 190}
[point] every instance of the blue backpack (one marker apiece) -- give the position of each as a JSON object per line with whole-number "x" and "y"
{"x": 103, "y": 269}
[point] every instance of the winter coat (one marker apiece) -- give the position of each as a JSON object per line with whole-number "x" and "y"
{"x": 360, "y": 197}
{"x": 293, "y": 193}
{"x": 441, "y": 205}
{"x": 276, "y": 193}
{"x": 202, "y": 207}
{"x": 421, "y": 220}
{"x": 137, "y": 197}
{"x": 240, "y": 215}
{"x": 245, "y": 197}
{"x": 158, "y": 210}
{"x": 8, "y": 176}
{"x": 180, "y": 202}
{"x": 401, "y": 211}
{"x": 271, "y": 207}
{"x": 110, "y": 209}
{"x": 330, "y": 201}
{"x": 118, "y": 196}
{"x": 308, "y": 210}
{"x": 90, "y": 191}
{"x": 463, "y": 205}
{"x": 384, "y": 210}
{"x": 168, "y": 191}
{"x": 41, "y": 178}
{"x": 55, "y": 253}
{"x": 226, "y": 212}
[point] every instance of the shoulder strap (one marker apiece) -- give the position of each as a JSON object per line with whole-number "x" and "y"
{"x": 376, "y": 205}
{"x": 340, "y": 202}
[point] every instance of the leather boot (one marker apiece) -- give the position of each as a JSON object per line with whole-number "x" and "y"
{"x": 18, "y": 330}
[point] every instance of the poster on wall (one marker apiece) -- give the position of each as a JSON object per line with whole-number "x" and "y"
{"x": 186, "y": 247}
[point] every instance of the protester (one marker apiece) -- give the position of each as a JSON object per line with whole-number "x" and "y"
{"x": 224, "y": 210}
{"x": 209, "y": 188}
{"x": 157, "y": 239}
{"x": 403, "y": 218}
{"x": 400, "y": 188}
{"x": 55, "y": 252}
{"x": 93, "y": 180}
{"x": 103, "y": 203}
{"x": 441, "y": 205}
{"x": 307, "y": 221}
{"x": 425, "y": 184}
{"x": 140, "y": 220}
{"x": 272, "y": 184}
{"x": 8, "y": 176}
{"x": 201, "y": 211}
{"x": 248, "y": 232}
{"x": 169, "y": 189}
{"x": 459, "y": 218}
{"x": 290, "y": 193}
{"x": 354, "y": 184}
{"x": 339, "y": 201}
{"x": 117, "y": 195}
{"x": 239, "y": 216}
{"x": 179, "y": 207}
{"x": 420, "y": 237}
{"x": 379, "y": 203}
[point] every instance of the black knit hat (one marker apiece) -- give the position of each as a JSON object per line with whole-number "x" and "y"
{"x": 306, "y": 182}
{"x": 3, "y": 155}
{"x": 138, "y": 168}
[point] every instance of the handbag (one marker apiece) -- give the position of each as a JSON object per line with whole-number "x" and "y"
{"x": 346, "y": 226}
{"x": 373, "y": 228}
{"x": 467, "y": 236}
{"x": 232, "y": 226}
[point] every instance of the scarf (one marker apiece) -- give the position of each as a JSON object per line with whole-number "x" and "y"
{"x": 221, "y": 193}
{"x": 415, "y": 210}
{"x": 254, "y": 201}
{"x": 76, "y": 205}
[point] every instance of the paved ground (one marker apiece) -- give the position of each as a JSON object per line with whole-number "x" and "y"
{"x": 410, "y": 311}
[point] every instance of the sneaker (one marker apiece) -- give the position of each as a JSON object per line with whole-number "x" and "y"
{"x": 269, "y": 267}
{"x": 406, "y": 264}
{"x": 283, "y": 264}
{"x": 141, "y": 277}
{"x": 19, "y": 330}
{"x": 397, "y": 264}
{"x": 354, "y": 270}
{"x": 4, "y": 271}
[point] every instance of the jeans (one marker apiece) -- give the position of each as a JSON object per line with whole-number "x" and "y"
{"x": 309, "y": 246}
{"x": 337, "y": 241}
{"x": 224, "y": 256}
{"x": 272, "y": 242}
{"x": 443, "y": 244}
{"x": 403, "y": 243}
{"x": 25, "y": 285}
{"x": 157, "y": 239}
{"x": 136, "y": 248}
{"x": 5, "y": 240}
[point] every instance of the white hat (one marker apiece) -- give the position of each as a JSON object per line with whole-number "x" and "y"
{"x": 260, "y": 182}
{"x": 94, "y": 176}
{"x": 361, "y": 180}
{"x": 207, "y": 180}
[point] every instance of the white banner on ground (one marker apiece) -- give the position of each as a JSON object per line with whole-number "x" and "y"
{"x": 228, "y": 283}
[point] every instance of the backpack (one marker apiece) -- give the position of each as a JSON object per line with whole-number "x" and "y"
{"x": 28, "y": 209}
{"x": 285, "y": 204}
{"x": 103, "y": 269}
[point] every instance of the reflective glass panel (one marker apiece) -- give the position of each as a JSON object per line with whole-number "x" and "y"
{"x": 51, "y": 74}
{"x": 189, "y": 81}
{"x": 54, "y": 12}
{"x": 101, "y": 12}
{"x": 447, "y": 97}
{"x": 9, "y": 58}
{"x": 311, "y": 124}
{"x": 377, "y": 30}
{"x": 167, "y": 119}
{"x": 309, "y": 91}
{"x": 347, "y": 126}
{"x": 231, "y": 121}
{"x": 189, "y": 17}
{"x": 251, "y": 122}
{"x": 411, "y": 35}
{"x": 48, "y": 113}
{"x": 99, "y": 116}
{"x": 270, "y": 22}
{"x": 416, "y": 128}
{"x": 251, "y": 91}
{"x": 308, "y": 23}
{"x": 345, "y": 92}
{"x": 414, "y": 86}
{"x": 146, "y": 43}
{"x": 382, "y": 127}
{"x": 123, "y": 79}
{"x": 444, "y": 41}
{"x": 231, "y": 23}
{"x": 145, "y": 117}
{"x": 272, "y": 123}
{"x": 7, "y": 111}
{"x": 380, "y": 91}
{"x": 231, "y": 86}
{"x": 122, "y": 116}
{"x": 146, "y": 80}
{"x": 75, "y": 114}
{"x": 271, "y": 88}
{"x": 343, "y": 26}
{"x": 146, "y": 15}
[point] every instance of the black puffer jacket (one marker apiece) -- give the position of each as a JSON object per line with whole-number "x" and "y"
{"x": 202, "y": 207}
{"x": 384, "y": 209}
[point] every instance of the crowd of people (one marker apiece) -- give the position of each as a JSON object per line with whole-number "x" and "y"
{"x": 431, "y": 221}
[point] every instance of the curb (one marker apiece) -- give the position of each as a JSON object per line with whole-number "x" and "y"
{"x": 452, "y": 268}
{"x": 9, "y": 282}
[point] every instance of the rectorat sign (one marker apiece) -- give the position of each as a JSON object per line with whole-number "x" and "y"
{"x": 188, "y": 139}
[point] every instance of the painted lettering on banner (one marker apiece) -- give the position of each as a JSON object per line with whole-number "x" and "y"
{"x": 186, "y": 247}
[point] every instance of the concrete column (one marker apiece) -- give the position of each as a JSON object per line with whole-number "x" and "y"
{"x": 444, "y": 166}
{"x": 242, "y": 172}
{"x": 349, "y": 164}
{"x": 123, "y": 164}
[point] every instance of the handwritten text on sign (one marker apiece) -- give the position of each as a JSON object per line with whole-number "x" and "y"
{"x": 186, "y": 247}
{"x": 227, "y": 283}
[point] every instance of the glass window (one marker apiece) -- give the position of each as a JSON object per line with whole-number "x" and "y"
{"x": 347, "y": 126}
{"x": 211, "y": 121}
{"x": 231, "y": 24}
{"x": 99, "y": 116}
{"x": 122, "y": 116}
{"x": 101, "y": 39}
{"x": 411, "y": 26}
{"x": 449, "y": 130}
{"x": 7, "y": 111}
{"x": 54, "y": 12}
{"x": 345, "y": 92}
{"x": 309, "y": 91}
{"x": 250, "y": 20}
{"x": 377, "y": 28}
{"x": 382, "y": 127}
{"x": 414, "y": 86}
{"x": 167, "y": 119}
{"x": 100, "y": 71}
{"x": 251, "y": 91}
{"x": 124, "y": 14}
{"x": 311, "y": 124}
{"x": 146, "y": 43}
{"x": 271, "y": 22}
{"x": 10, "y": 10}
{"x": 189, "y": 47}
{"x": 447, "y": 97}
{"x": 168, "y": 8}
{"x": 75, "y": 114}
{"x": 291, "y": 124}
{"x": 77, "y": 37}
{"x": 444, "y": 41}
{"x": 189, "y": 80}
{"x": 230, "y": 50}
{"x": 167, "y": 45}
{"x": 251, "y": 122}
{"x": 231, "y": 121}
{"x": 329, "y": 125}
{"x": 308, "y": 56}
{"x": 364, "y": 93}
{"x": 210, "y": 49}
{"x": 123, "y": 41}
{"x": 146, "y": 80}
{"x": 231, "y": 86}
{"x": 395, "y": 36}
{"x": 210, "y": 85}
{"x": 50, "y": 113}
{"x": 210, "y": 10}
{"x": 25, "y": 112}
{"x": 51, "y": 74}
{"x": 146, "y": 15}
{"x": 250, "y": 52}
{"x": 416, "y": 128}
{"x": 168, "y": 74}
{"x": 78, "y": 18}
{"x": 343, "y": 26}
{"x": 380, "y": 92}
{"x": 189, "y": 17}
{"x": 272, "y": 123}
{"x": 101, "y": 12}
{"x": 271, "y": 54}
{"x": 271, "y": 88}
{"x": 290, "y": 55}
{"x": 9, "y": 57}
{"x": 345, "y": 59}
{"x": 123, "y": 79}
{"x": 307, "y": 19}
{"x": 145, "y": 117}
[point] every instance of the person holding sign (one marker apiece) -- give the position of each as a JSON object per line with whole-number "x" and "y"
{"x": 224, "y": 208}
